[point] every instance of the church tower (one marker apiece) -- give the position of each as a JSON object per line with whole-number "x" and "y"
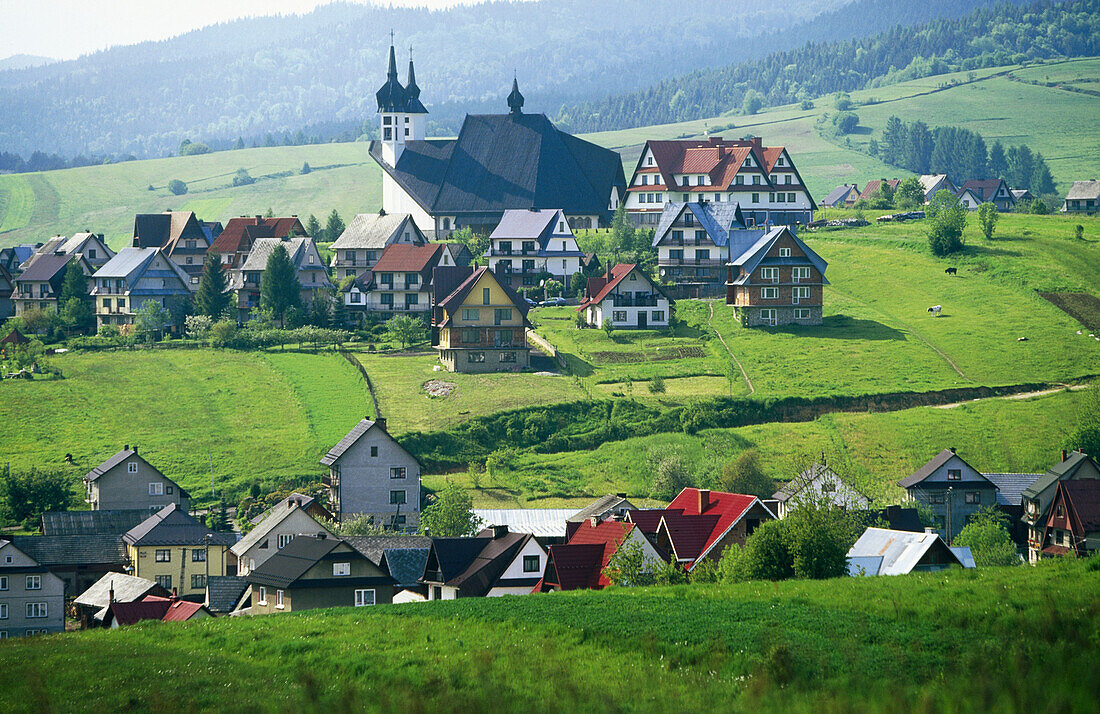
{"x": 403, "y": 117}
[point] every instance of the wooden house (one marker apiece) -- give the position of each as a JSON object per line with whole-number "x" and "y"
{"x": 364, "y": 239}
{"x": 777, "y": 280}
{"x": 235, "y": 241}
{"x": 844, "y": 196}
{"x": 182, "y": 236}
{"x": 1073, "y": 525}
{"x": 818, "y": 484}
{"x": 1083, "y": 197}
{"x": 305, "y": 258}
{"x": 478, "y": 323}
{"x": 1037, "y": 498}
{"x": 495, "y": 562}
{"x": 693, "y": 242}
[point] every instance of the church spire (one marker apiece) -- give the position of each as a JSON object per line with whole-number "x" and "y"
{"x": 515, "y": 99}
{"x": 412, "y": 91}
{"x": 391, "y": 96}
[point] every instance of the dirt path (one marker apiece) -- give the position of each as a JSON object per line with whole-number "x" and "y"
{"x": 1021, "y": 395}
{"x": 710, "y": 307}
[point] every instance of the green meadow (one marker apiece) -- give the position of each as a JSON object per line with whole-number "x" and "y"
{"x": 989, "y": 640}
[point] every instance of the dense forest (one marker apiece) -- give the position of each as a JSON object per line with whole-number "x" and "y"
{"x": 989, "y": 36}
{"x": 318, "y": 72}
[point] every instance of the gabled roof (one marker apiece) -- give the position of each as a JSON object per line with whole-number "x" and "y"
{"x": 489, "y": 563}
{"x": 600, "y": 507}
{"x": 1082, "y": 498}
{"x": 717, "y": 219}
{"x": 1084, "y": 189}
{"x": 223, "y": 592}
{"x": 900, "y": 551}
{"x": 148, "y": 608}
{"x": 452, "y": 556}
{"x": 127, "y": 588}
{"x": 15, "y": 337}
{"x": 933, "y": 464}
{"x": 375, "y": 546}
{"x": 182, "y": 610}
{"x": 575, "y": 566}
{"x": 1066, "y": 469}
{"x": 270, "y": 523}
{"x": 405, "y": 565}
{"x": 843, "y": 495}
{"x": 608, "y": 535}
{"x": 80, "y": 240}
{"x": 502, "y": 161}
{"x": 729, "y": 507}
{"x": 308, "y": 503}
{"x": 165, "y": 230}
{"x": 171, "y": 526}
{"x": 529, "y": 224}
{"x": 1010, "y": 487}
{"x": 46, "y": 268}
{"x": 374, "y": 231}
{"x": 264, "y": 247}
{"x": 239, "y": 233}
{"x": 648, "y": 519}
{"x": 408, "y": 258}
{"x": 353, "y": 436}
{"x": 875, "y": 184}
{"x": 986, "y": 189}
{"x": 132, "y": 264}
{"x": 540, "y": 522}
{"x": 690, "y": 535}
{"x": 67, "y": 523}
{"x": 601, "y": 286}
{"x": 73, "y": 550}
{"x": 757, "y": 253}
{"x": 930, "y": 181}
{"x": 455, "y": 299}
{"x": 840, "y": 193}
{"x": 295, "y": 559}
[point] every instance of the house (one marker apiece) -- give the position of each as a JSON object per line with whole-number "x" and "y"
{"x": 818, "y": 484}
{"x": 580, "y": 563}
{"x": 361, "y": 244}
{"x": 79, "y": 560}
{"x": 478, "y": 324}
{"x": 932, "y": 183}
{"x": 128, "y": 481}
{"x": 235, "y": 241}
{"x": 762, "y": 179}
{"x": 11, "y": 258}
{"x": 177, "y": 552}
{"x": 969, "y": 199}
{"x": 699, "y": 524}
{"x": 1022, "y": 195}
{"x": 224, "y": 593}
{"x": 153, "y": 607}
{"x": 32, "y": 599}
{"x": 38, "y": 287}
{"x": 89, "y": 246}
{"x": 305, "y": 258}
{"x": 628, "y": 298}
{"x": 132, "y": 278}
{"x": 875, "y": 186}
{"x": 1038, "y": 497}
{"x": 778, "y": 280}
{"x": 842, "y": 196}
{"x": 310, "y": 504}
{"x": 370, "y": 474}
{"x": 952, "y": 488}
{"x": 184, "y": 238}
{"x": 272, "y": 534}
{"x": 1073, "y": 526}
{"x": 1083, "y": 197}
{"x": 401, "y": 281}
{"x": 590, "y": 263}
{"x": 546, "y": 524}
{"x": 91, "y": 605}
{"x": 610, "y": 506}
{"x": 314, "y": 572}
{"x": 7, "y": 287}
{"x": 406, "y": 566}
{"x": 880, "y": 551}
{"x": 694, "y": 241}
{"x": 497, "y": 162}
{"x": 533, "y": 242}
{"x": 993, "y": 191}
{"x": 495, "y": 562}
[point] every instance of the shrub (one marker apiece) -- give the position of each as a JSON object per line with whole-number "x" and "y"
{"x": 670, "y": 473}
{"x": 242, "y": 178}
{"x": 222, "y": 333}
{"x": 657, "y": 385}
{"x": 947, "y": 219}
{"x": 744, "y": 475}
{"x": 1039, "y": 207}
{"x": 177, "y": 187}
{"x": 988, "y": 539}
{"x": 987, "y": 219}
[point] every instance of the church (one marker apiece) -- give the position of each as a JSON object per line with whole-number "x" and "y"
{"x": 498, "y": 162}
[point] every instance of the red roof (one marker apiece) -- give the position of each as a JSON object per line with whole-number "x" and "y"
{"x": 721, "y": 159}
{"x": 875, "y": 184}
{"x": 690, "y": 535}
{"x": 182, "y": 610}
{"x": 239, "y": 233}
{"x": 407, "y": 258}
{"x": 728, "y": 507}
{"x": 581, "y": 561}
{"x": 152, "y": 607}
{"x": 599, "y": 286}
{"x": 648, "y": 519}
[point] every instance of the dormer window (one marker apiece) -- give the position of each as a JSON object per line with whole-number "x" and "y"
{"x": 784, "y": 252}
{"x": 954, "y": 474}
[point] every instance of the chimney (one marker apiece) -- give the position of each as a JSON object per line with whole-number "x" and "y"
{"x": 111, "y": 594}
{"x": 381, "y": 422}
{"x": 704, "y": 499}
{"x": 594, "y": 521}
{"x": 929, "y": 529}
{"x": 135, "y": 448}
{"x": 621, "y": 495}
{"x": 321, "y": 535}
{"x": 259, "y": 218}
{"x": 126, "y": 447}
{"x": 1064, "y": 455}
{"x": 499, "y": 531}
{"x": 952, "y": 449}
{"x": 174, "y": 595}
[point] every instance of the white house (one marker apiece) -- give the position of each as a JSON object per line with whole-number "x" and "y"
{"x": 818, "y": 484}
{"x": 528, "y": 242}
{"x": 628, "y": 298}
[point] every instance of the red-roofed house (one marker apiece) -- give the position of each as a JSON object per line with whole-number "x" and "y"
{"x": 762, "y": 179}
{"x": 236, "y": 239}
{"x": 579, "y": 564}
{"x": 627, "y": 297}
{"x": 993, "y": 191}
{"x": 1074, "y": 523}
{"x": 699, "y": 524}
{"x": 874, "y": 186}
{"x": 400, "y": 282}
{"x": 152, "y": 607}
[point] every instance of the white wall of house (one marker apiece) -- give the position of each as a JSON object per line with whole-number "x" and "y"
{"x": 396, "y": 200}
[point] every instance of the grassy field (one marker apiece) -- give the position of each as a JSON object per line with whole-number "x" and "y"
{"x": 183, "y": 407}
{"x": 963, "y": 641}
{"x": 869, "y": 450}
{"x": 104, "y": 199}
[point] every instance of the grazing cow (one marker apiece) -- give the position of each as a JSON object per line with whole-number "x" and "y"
{"x": 935, "y": 310}
{"x": 952, "y": 271}
{"x": 1021, "y": 339}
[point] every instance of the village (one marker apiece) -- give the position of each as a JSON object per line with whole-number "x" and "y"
{"x": 721, "y": 220}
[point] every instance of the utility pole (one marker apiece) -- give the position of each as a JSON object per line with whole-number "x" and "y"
{"x": 212, "y": 494}
{"x": 949, "y": 490}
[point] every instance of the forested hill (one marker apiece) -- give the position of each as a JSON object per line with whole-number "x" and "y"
{"x": 319, "y": 72}
{"x": 989, "y": 36}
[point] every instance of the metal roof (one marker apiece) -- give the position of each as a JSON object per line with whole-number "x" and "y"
{"x": 127, "y": 588}
{"x": 900, "y": 551}
{"x": 374, "y": 231}
{"x": 1011, "y": 487}
{"x": 223, "y": 592}
{"x": 600, "y": 507}
{"x": 126, "y": 262}
{"x": 541, "y": 522}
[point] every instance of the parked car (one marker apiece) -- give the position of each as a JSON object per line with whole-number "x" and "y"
{"x": 530, "y": 302}
{"x": 552, "y": 302}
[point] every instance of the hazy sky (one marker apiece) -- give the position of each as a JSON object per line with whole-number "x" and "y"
{"x": 65, "y": 29}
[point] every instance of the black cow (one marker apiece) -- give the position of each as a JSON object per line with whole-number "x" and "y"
{"x": 952, "y": 271}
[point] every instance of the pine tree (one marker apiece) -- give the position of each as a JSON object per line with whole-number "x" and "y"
{"x": 75, "y": 304}
{"x": 313, "y": 228}
{"x": 334, "y": 226}
{"x": 339, "y": 312}
{"x": 1041, "y": 182}
{"x": 280, "y": 289}
{"x": 239, "y": 144}
{"x": 918, "y": 148}
{"x": 211, "y": 299}
{"x": 894, "y": 139}
{"x": 977, "y": 158}
{"x": 75, "y": 285}
{"x": 998, "y": 164}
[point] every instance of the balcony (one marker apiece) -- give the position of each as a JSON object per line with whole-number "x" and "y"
{"x": 691, "y": 261}
{"x": 635, "y": 301}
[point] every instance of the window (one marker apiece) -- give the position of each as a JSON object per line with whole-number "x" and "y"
{"x": 784, "y": 252}
{"x": 364, "y": 598}
{"x": 677, "y": 236}
{"x": 502, "y": 315}
{"x": 3, "y": 582}
{"x": 198, "y": 581}
{"x": 973, "y": 497}
{"x": 703, "y": 254}
{"x": 769, "y": 293}
{"x": 530, "y": 563}
{"x": 508, "y": 357}
{"x": 767, "y": 316}
{"x": 36, "y": 610}
{"x": 165, "y": 581}
{"x": 263, "y": 596}
{"x": 954, "y": 474}
{"x": 756, "y": 198}
{"x": 1060, "y": 511}
{"x": 156, "y": 489}
{"x": 756, "y": 180}
{"x": 190, "y": 261}
{"x": 399, "y": 520}
{"x": 486, "y": 298}
{"x": 470, "y": 336}
{"x": 771, "y": 274}
{"x": 802, "y": 313}
{"x": 131, "y": 467}
{"x": 790, "y": 198}
{"x": 935, "y": 498}
{"x": 163, "y": 556}
{"x": 397, "y": 472}
{"x": 198, "y": 555}
{"x": 34, "y": 582}
{"x": 801, "y": 294}
{"x": 771, "y": 198}
{"x": 397, "y": 498}
{"x": 339, "y": 569}
{"x": 618, "y": 316}
{"x": 740, "y": 180}
{"x": 798, "y": 274}
{"x": 3, "y": 611}
{"x": 658, "y": 315}
{"x": 285, "y": 538}
{"x": 169, "y": 490}
{"x": 475, "y": 357}
{"x": 107, "y": 304}
{"x": 91, "y": 253}
{"x": 279, "y": 599}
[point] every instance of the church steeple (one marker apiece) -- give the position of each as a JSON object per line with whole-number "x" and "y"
{"x": 515, "y": 99}
{"x": 412, "y": 92}
{"x": 391, "y": 96}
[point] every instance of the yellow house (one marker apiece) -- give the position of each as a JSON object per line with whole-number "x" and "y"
{"x": 480, "y": 325}
{"x": 177, "y": 552}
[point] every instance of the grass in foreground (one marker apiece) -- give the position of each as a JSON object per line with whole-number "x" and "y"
{"x": 995, "y": 639}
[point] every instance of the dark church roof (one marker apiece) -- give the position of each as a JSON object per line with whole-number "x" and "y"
{"x": 502, "y": 161}
{"x": 391, "y": 95}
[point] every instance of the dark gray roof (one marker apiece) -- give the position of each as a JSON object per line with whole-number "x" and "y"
{"x": 92, "y": 522}
{"x": 374, "y": 546}
{"x": 344, "y": 444}
{"x": 45, "y": 267}
{"x": 836, "y": 194}
{"x": 717, "y": 219}
{"x": 171, "y": 526}
{"x": 406, "y": 565}
{"x": 599, "y": 507}
{"x": 473, "y": 565}
{"x": 297, "y": 557}
{"x": 72, "y": 550}
{"x": 502, "y": 161}
{"x": 1061, "y": 470}
{"x": 1010, "y": 487}
{"x": 223, "y": 592}
{"x": 925, "y": 471}
{"x": 750, "y": 256}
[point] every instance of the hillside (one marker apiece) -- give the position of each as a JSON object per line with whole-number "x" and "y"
{"x": 105, "y": 198}
{"x": 950, "y": 641}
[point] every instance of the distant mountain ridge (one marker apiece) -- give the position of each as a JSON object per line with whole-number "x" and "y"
{"x": 24, "y": 62}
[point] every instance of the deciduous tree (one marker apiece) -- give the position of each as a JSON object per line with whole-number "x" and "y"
{"x": 451, "y": 514}
{"x": 987, "y": 219}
